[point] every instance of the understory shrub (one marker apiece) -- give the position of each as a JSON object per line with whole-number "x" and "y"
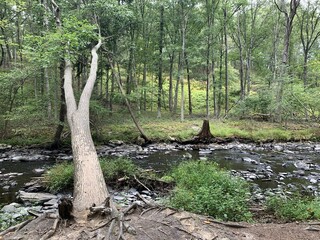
{"x": 201, "y": 187}
{"x": 60, "y": 176}
{"x": 296, "y": 208}
{"x": 115, "y": 168}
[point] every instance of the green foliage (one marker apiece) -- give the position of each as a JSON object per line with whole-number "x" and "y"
{"x": 256, "y": 104}
{"x": 203, "y": 188}
{"x": 60, "y": 176}
{"x": 8, "y": 219}
{"x": 167, "y": 179}
{"x": 47, "y": 49}
{"x": 295, "y": 208}
{"x": 116, "y": 168}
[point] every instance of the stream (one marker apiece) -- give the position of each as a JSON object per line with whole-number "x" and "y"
{"x": 271, "y": 168}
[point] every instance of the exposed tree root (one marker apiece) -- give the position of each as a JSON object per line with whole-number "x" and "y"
{"x": 15, "y": 227}
{"x": 114, "y": 218}
{"x": 230, "y": 224}
{"x": 141, "y": 183}
{"x": 52, "y": 231}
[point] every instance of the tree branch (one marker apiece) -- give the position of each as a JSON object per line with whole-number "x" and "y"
{"x": 69, "y": 95}
{"x": 87, "y": 91}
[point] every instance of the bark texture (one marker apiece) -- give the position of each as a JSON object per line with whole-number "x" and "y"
{"x": 205, "y": 134}
{"x": 89, "y": 185}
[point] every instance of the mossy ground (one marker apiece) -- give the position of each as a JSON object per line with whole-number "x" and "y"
{"x": 119, "y": 126}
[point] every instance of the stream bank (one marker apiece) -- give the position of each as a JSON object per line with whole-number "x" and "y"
{"x": 272, "y": 168}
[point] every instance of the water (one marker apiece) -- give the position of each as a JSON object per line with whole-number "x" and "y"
{"x": 26, "y": 169}
{"x": 293, "y": 168}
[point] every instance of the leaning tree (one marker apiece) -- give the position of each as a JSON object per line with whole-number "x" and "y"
{"x": 89, "y": 184}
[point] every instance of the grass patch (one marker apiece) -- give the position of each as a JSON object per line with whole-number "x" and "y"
{"x": 201, "y": 187}
{"x": 116, "y": 168}
{"x": 60, "y": 176}
{"x": 121, "y": 127}
{"x": 295, "y": 208}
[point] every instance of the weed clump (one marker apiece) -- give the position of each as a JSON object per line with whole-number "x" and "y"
{"x": 113, "y": 169}
{"x": 296, "y": 208}
{"x": 60, "y": 176}
{"x": 203, "y": 188}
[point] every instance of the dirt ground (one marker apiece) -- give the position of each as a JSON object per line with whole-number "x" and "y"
{"x": 167, "y": 224}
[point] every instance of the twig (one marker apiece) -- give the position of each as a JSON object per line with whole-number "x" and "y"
{"x": 310, "y": 228}
{"x": 121, "y": 215}
{"x": 134, "y": 205}
{"x": 141, "y": 183}
{"x": 234, "y": 225}
{"x": 160, "y": 230}
{"x": 102, "y": 225}
{"x": 185, "y": 218}
{"x": 147, "y": 210}
{"x": 111, "y": 229}
{"x": 185, "y": 231}
{"x": 314, "y": 223}
{"x": 164, "y": 223}
{"x": 130, "y": 229}
{"x": 144, "y": 200}
{"x": 146, "y": 234}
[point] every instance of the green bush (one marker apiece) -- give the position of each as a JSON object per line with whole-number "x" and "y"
{"x": 203, "y": 188}
{"x": 296, "y": 208}
{"x": 60, "y": 176}
{"x": 115, "y": 168}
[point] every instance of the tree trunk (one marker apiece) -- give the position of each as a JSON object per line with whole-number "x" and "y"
{"x": 62, "y": 113}
{"x": 143, "y": 135}
{"x": 2, "y": 55}
{"x": 170, "y": 81}
{"x": 189, "y": 86}
{"x": 208, "y": 74}
{"x": 220, "y": 76}
{"x": 226, "y": 97}
{"x": 205, "y": 133}
{"x": 175, "y": 103}
{"x": 182, "y": 60}
{"x": 89, "y": 185}
{"x": 289, "y": 17}
{"x": 161, "y": 35}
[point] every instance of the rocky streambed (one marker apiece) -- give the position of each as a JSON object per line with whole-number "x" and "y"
{"x": 272, "y": 168}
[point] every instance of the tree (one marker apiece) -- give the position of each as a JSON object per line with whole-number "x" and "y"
{"x": 289, "y": 17}
{"x": 161, "y": 35}
{"x": 309, "y": 33}
{"x": 89, "y": 185}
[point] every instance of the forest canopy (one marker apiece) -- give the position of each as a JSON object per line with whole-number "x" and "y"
{"x": 214, "y": 58}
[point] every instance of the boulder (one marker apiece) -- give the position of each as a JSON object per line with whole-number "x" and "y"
{"x": 35, "y": 197}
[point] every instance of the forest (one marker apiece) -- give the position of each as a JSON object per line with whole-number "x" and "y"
{"x": 76, "y": 74}
{"x": 214, "y": 59}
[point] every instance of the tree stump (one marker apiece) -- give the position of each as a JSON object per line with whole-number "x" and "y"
{"x": 205, "y": 134}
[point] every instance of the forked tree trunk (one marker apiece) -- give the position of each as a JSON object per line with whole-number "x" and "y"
{"x": 89, "y": 185}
